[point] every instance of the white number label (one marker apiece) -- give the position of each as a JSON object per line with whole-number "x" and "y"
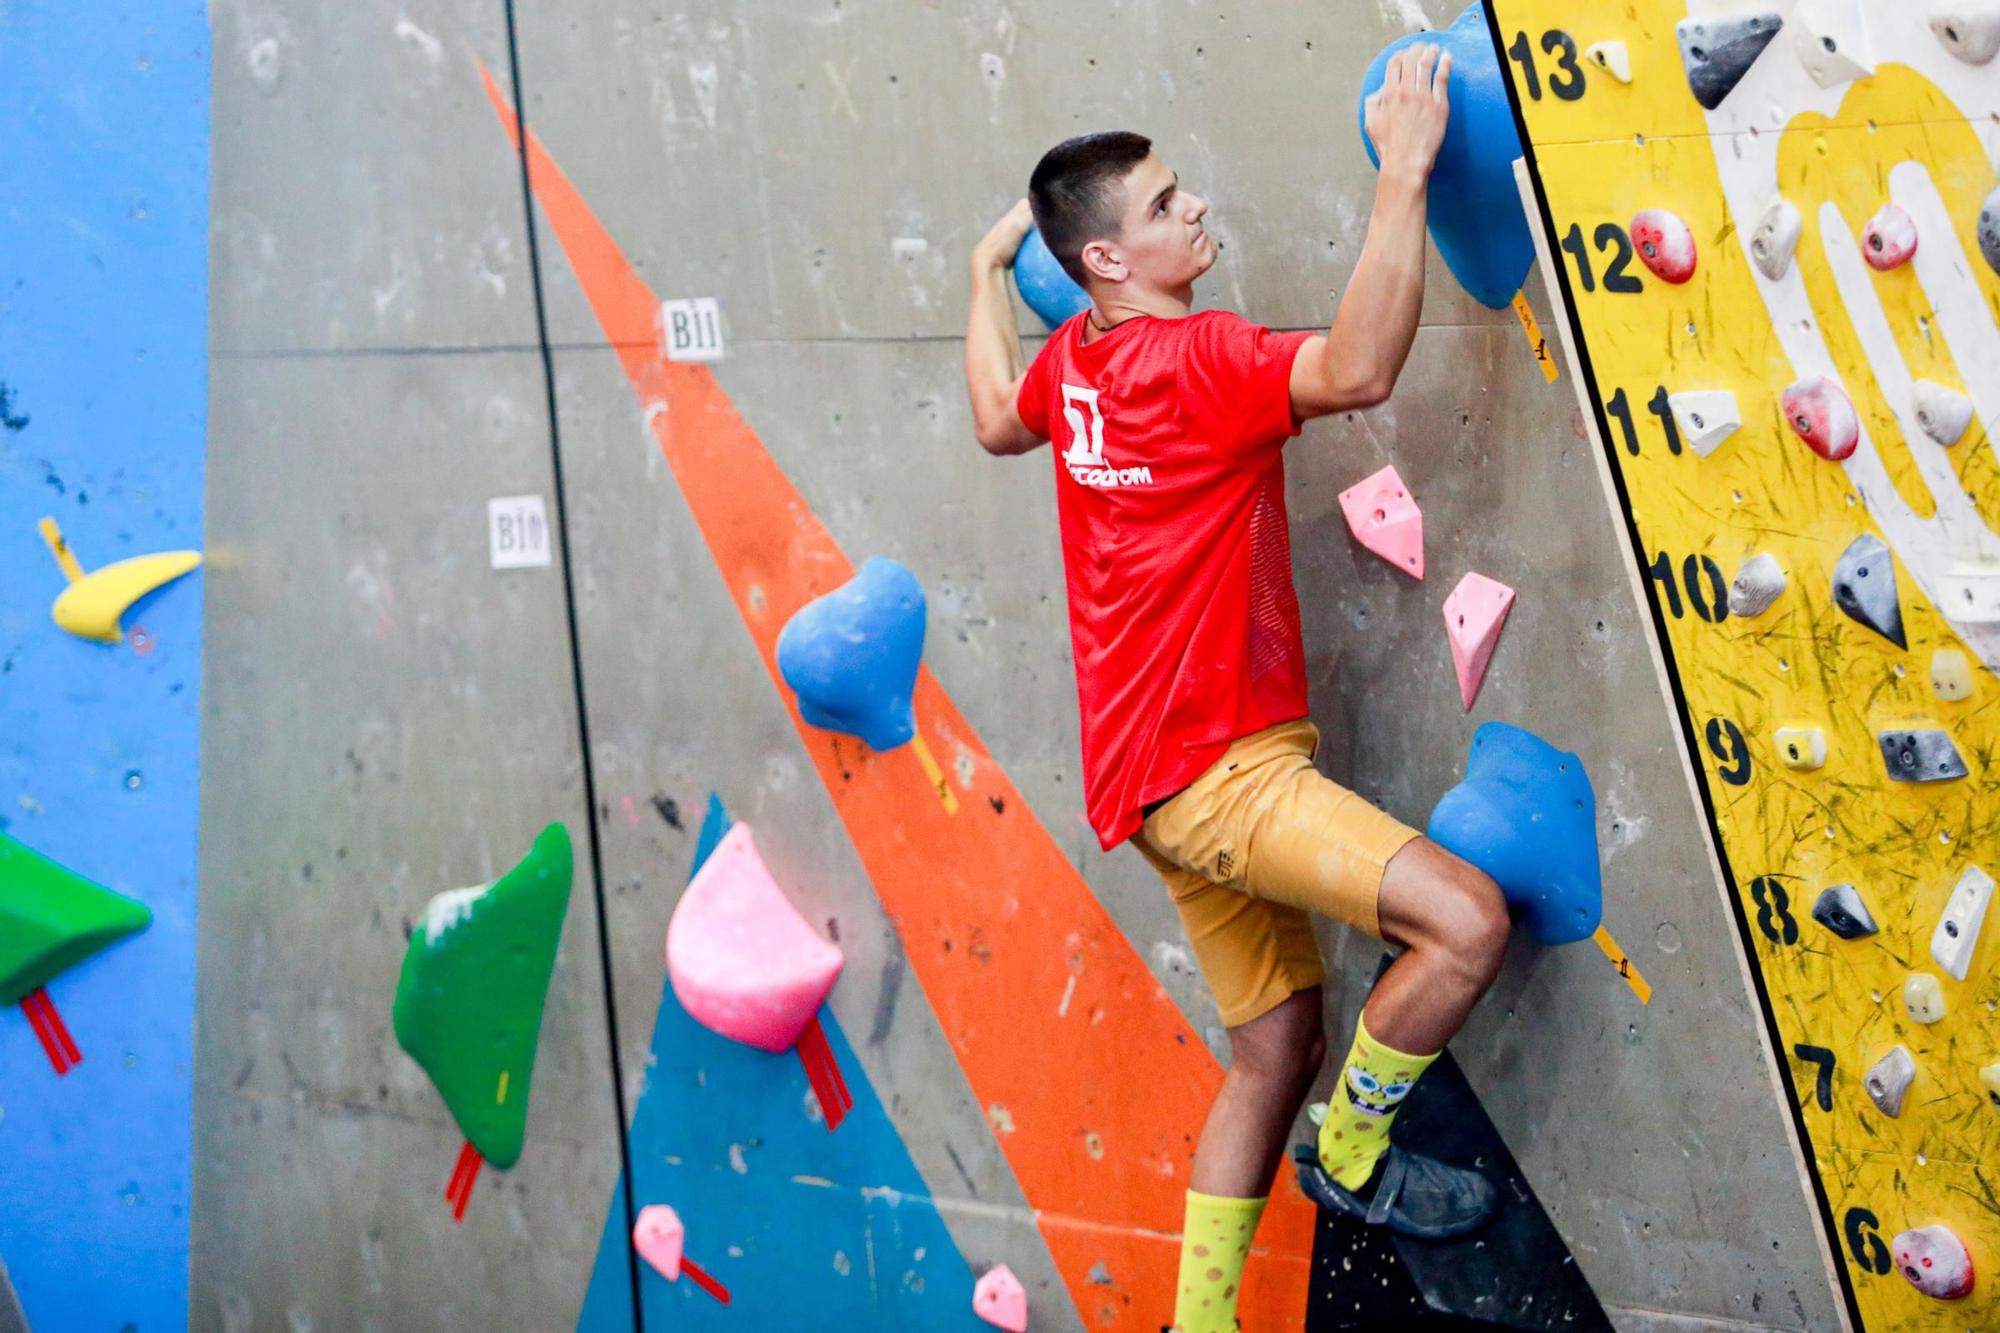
{"x": 693, "y": 329}
{"x": 517, "y": 527}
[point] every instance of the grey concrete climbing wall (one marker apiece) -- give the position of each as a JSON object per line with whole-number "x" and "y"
{"x": 388, "y": 716}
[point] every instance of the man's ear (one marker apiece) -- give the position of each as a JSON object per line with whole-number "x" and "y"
{"x": 1102, "y": 261}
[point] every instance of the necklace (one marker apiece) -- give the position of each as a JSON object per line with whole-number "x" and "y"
{"x": 1090, "y": 315}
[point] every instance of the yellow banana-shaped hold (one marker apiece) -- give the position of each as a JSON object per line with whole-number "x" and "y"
{"x": 92, "y": 606}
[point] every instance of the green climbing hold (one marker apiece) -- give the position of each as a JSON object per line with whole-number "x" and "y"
{"x": 51, "y": 919}
{"x": 469, "y": 1002}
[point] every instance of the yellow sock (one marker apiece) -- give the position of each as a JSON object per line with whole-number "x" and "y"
{"x": 1215, "y": 1240}
{"x": 1373, "y": 1083}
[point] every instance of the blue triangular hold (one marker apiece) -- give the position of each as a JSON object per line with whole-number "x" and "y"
{"x": 806, "y": 1229}
{"x": 1527, "y": 816}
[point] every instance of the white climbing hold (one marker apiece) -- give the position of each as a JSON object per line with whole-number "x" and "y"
{"x": 1951, "y": 675}
{"x": 1801, "y": 749}
{"x": 1923, "y": 996}
{"x": 1889, "y": 238}
{"x": 1832, "y": 40}
{"x": 1990, "y": 1077}
{"x": 1473, "y": 617}
{"x": 1775, "y": 238}
{"x": 1759, "y": 583}
{"x": 1889, "y": 1080}
{"x": 1705, "y": 417}
{"x": 1957, "y": 935}
{"x": 1970, "y": 594}
{"x": 1969, "y": 29}
{"x": 1612, "y": 58}
{"x": 1934, "y": 1261}
{"x": 1942, "y": 411}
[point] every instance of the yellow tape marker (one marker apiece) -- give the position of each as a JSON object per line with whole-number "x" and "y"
{"x": 935, "y": 774}
{"x": 1640, "y": 986}
{"x": 1535, "y": 339}
{"x": 501, "y": 1095}
{"x": 60, "y": 550}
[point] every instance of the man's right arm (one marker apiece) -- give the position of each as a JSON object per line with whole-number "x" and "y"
{"x": 1356, "y": 362}
{"x": 994, "y": 366}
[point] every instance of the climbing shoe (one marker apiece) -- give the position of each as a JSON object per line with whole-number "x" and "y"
{"x": 1410, "y": 1194}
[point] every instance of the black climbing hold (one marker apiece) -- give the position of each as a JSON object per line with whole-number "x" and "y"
{"x": 1920, "y": 756}
{"x": 1864, "y": 586}
{"x": 1719, "y": 51}
{"x": 1989, "y": 230}
{"x": 1841, "y": 911}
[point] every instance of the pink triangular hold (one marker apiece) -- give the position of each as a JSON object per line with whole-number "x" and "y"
{"x": 1383, "y": 518}
{"x": 999, "y": 1300}
{"x": 743, "y": 962}
{"x": 1473, "y": 615}
{"x": 657, "y": 1236}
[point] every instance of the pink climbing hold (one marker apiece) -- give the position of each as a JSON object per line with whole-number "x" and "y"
{"x": 1665, "y": 244}
{"x": 1889, "y": 239}
{"x": 742, "y": 960}
{"x": 1473, "y": 615}
{"x": 998, "y": 1299}
{"x": 1823, "y": 415}
{"x": 658, "y": 1236}
{"x": 1935, "y": 1262}
{"x": 1383, "y": 518}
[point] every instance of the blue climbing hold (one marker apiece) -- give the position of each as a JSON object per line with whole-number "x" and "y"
{"x": 1045, "y": 285}
{"x": 851, "y": 656}
{"x": 1475, "y": 207}
{"x": 1527, "y": 816}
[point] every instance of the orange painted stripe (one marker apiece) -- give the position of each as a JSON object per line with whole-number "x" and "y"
{"x": 1095, "y": 1107}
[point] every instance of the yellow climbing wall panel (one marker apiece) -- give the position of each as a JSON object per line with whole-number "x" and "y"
{"x": 1920, "y": 130}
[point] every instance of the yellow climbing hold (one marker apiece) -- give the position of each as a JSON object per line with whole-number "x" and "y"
{"x": 92, "y": 605}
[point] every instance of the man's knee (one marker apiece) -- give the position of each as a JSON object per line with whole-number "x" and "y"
{"x": 1455, "y": 908}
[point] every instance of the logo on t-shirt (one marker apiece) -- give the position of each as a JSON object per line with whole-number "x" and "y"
{"x": 1085, "y": 455}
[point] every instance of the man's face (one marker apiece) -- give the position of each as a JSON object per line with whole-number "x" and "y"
{"x": 1161, "y": 241}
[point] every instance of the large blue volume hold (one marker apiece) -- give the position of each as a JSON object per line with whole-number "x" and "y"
{"x": 1475, "y": 207}
{"x": 851, "y": 656}
{"x": 1527, "y": 816}
{"x": 1045, "y": 285}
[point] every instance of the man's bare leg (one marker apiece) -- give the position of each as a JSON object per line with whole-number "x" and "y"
{"x": 1453, "y": 926}
{"x": 1452, "y": 922}
{"x": 1272, "y": 1061}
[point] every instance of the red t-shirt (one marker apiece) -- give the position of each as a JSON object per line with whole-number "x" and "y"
{"x": 1170, "y": 490}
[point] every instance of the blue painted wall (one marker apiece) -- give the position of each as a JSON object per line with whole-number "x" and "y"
{"x": 103, "y": 326}
{"x": 807, "y": 1229}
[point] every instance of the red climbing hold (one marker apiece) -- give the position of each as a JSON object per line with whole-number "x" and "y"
{"x": 1823, "y": 415}
{"x": 1889, "y": 239}
{"x": 1665, "y": 244}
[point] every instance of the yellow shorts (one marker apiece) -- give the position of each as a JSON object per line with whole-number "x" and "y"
{"x": 1255, "y": 844}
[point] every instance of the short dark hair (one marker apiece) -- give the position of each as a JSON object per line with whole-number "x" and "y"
{"x": 1072, "y": 191}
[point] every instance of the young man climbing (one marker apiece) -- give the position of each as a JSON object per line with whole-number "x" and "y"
{"x": 1190, "y": 667}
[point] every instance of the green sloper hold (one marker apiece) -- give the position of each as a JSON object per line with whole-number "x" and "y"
{"x": 51, "y": 919}
{"x": 469, "y": 1002}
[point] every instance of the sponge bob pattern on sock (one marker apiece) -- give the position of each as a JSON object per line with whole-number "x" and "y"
{"x": 1373, "y": 1096}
